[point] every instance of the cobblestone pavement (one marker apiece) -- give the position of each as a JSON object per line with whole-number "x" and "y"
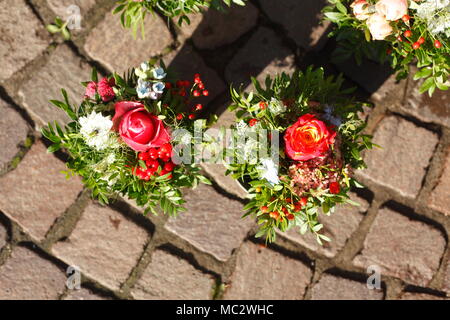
{"x": 48, "y": 223}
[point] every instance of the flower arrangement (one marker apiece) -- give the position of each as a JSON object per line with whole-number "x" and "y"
{"x": 303, "y": 140}
{"x": 133, "y": 12}
{"x": 122, "y": 138}
{"x": 400, "y": 31}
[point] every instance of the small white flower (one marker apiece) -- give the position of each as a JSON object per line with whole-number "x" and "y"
{"x": 158, "y": 87}
{"x": 96, "y": 130}
{"x": 276, "y": 107}
{"x": 159, "y": 73}
{"x": 241, "y": 127}
{"x": 269, "y": 171}
{"x": 145, "y": 66}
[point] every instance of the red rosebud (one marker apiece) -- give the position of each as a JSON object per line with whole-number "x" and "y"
{"x": 179, "y": 116}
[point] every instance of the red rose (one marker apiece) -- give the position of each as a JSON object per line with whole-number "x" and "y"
{"x": 105, "y": 90}
{"x": 308, "y": 138}
{"x": 138, "y": 128}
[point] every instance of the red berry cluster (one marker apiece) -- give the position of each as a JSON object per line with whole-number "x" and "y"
{"x": 420, "y": 41}
{"x": 198, "y": 90}
{"x": 155, "y": 159}
{"x": 296, "y": 207}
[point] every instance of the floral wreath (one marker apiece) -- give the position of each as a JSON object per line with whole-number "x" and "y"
{"x": 133, "y": 12}
{"x": 320, "y": 146}
{"x": 121, "y": 138}
{"x": 405, "y": 32}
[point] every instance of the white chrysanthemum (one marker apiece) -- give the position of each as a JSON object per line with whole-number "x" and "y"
{"x": 276, "y": 107}
{"x": 96, "y": 130}
{"x": 269, "y": 171}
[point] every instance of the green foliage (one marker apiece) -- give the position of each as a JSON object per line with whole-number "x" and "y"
{"x": 59, "y": 26}
{"x": 355, "y": 40}
{"x": 301, "y": 93}
{"x": 133, "y": 13}
{"x": 109, "y": 172}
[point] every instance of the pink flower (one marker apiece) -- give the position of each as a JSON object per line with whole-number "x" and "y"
{"x": 91, "y": 90}
{"x": 360, "y": 9}
{"x": 392, "y": 9}
{"x": 138, "y": 128}
{"x": 105, "y": 89}
{"x": 379, "y": 27}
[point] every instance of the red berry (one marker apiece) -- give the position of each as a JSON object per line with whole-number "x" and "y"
{"x": 407, "y": 33}
{"x": 169, "y": 166}
{"x": 416, "y": 45}
{"x": 143, "y": 156}
{"x": 179, "y": 83}
{"x": 303, "y": 201}
{"x": 166, "y": 148}
{"x": 191, "y": 117}
{"x": 186, "y": 83}
{"x": 399, "y": 38}
{"x": 201, "y": 86}
{"x": 264, "y": 209}
{"x": 288, "y": 200}
{"x": 205, "y": 93}
{"x": 152, "y": 164}
{"x": 197, "y": 75}
{"x": 262, "y": 105}
{"x": 179, "y": 116}
{"x": 406, "y": 18}
{"x": 162, "y": 172}
{"x": 168, "y": 85}
{"x": 166, "y": 158}
{"x": 198, "y": 107}
{"x": 437, "y": 44}
{"x": 274, "y": 215}
{"x": 196, "y": 93}
{"x": 153, "y": 154}
{"x": 290, "y": 216}
{"x": 335, "y": 188}
{"x": 198, "y": 80}
{"x": 421, "y": 40}
{"x": 252, "y": 122}
{"x": 182, "y": 93}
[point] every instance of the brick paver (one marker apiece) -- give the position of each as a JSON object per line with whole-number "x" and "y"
{"x": 419, "y": 296}
{"x": 402, "y": 247}
{"x": 62, "y": 8}
{"x": 116, "y": 48}
{"x": 332, "y": 287}
{"x": 339, "y": 226}
{"x": 170, "y": 277}
{"x": 3, "y": 235}
{"x": 64, "y": 70}
{"x": 83, "y": 294}
{"x": 302, "y": 22}
{"x": 26, "y": 275}
{"x": 214, "y": 28}
{"x": 434, "y": 109}
{"x": 104, "y": 245}
{"x": 36, "y": 193}
{"x": 13, "y": 131}
{"x": 265, "y": 274}
{"x": 213, "y": 228}
{"x": 20, "y": 42}
{"x": 264, "y": 54}
{"x": 440, "y": 196}
{"x": 402, "y": 161}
